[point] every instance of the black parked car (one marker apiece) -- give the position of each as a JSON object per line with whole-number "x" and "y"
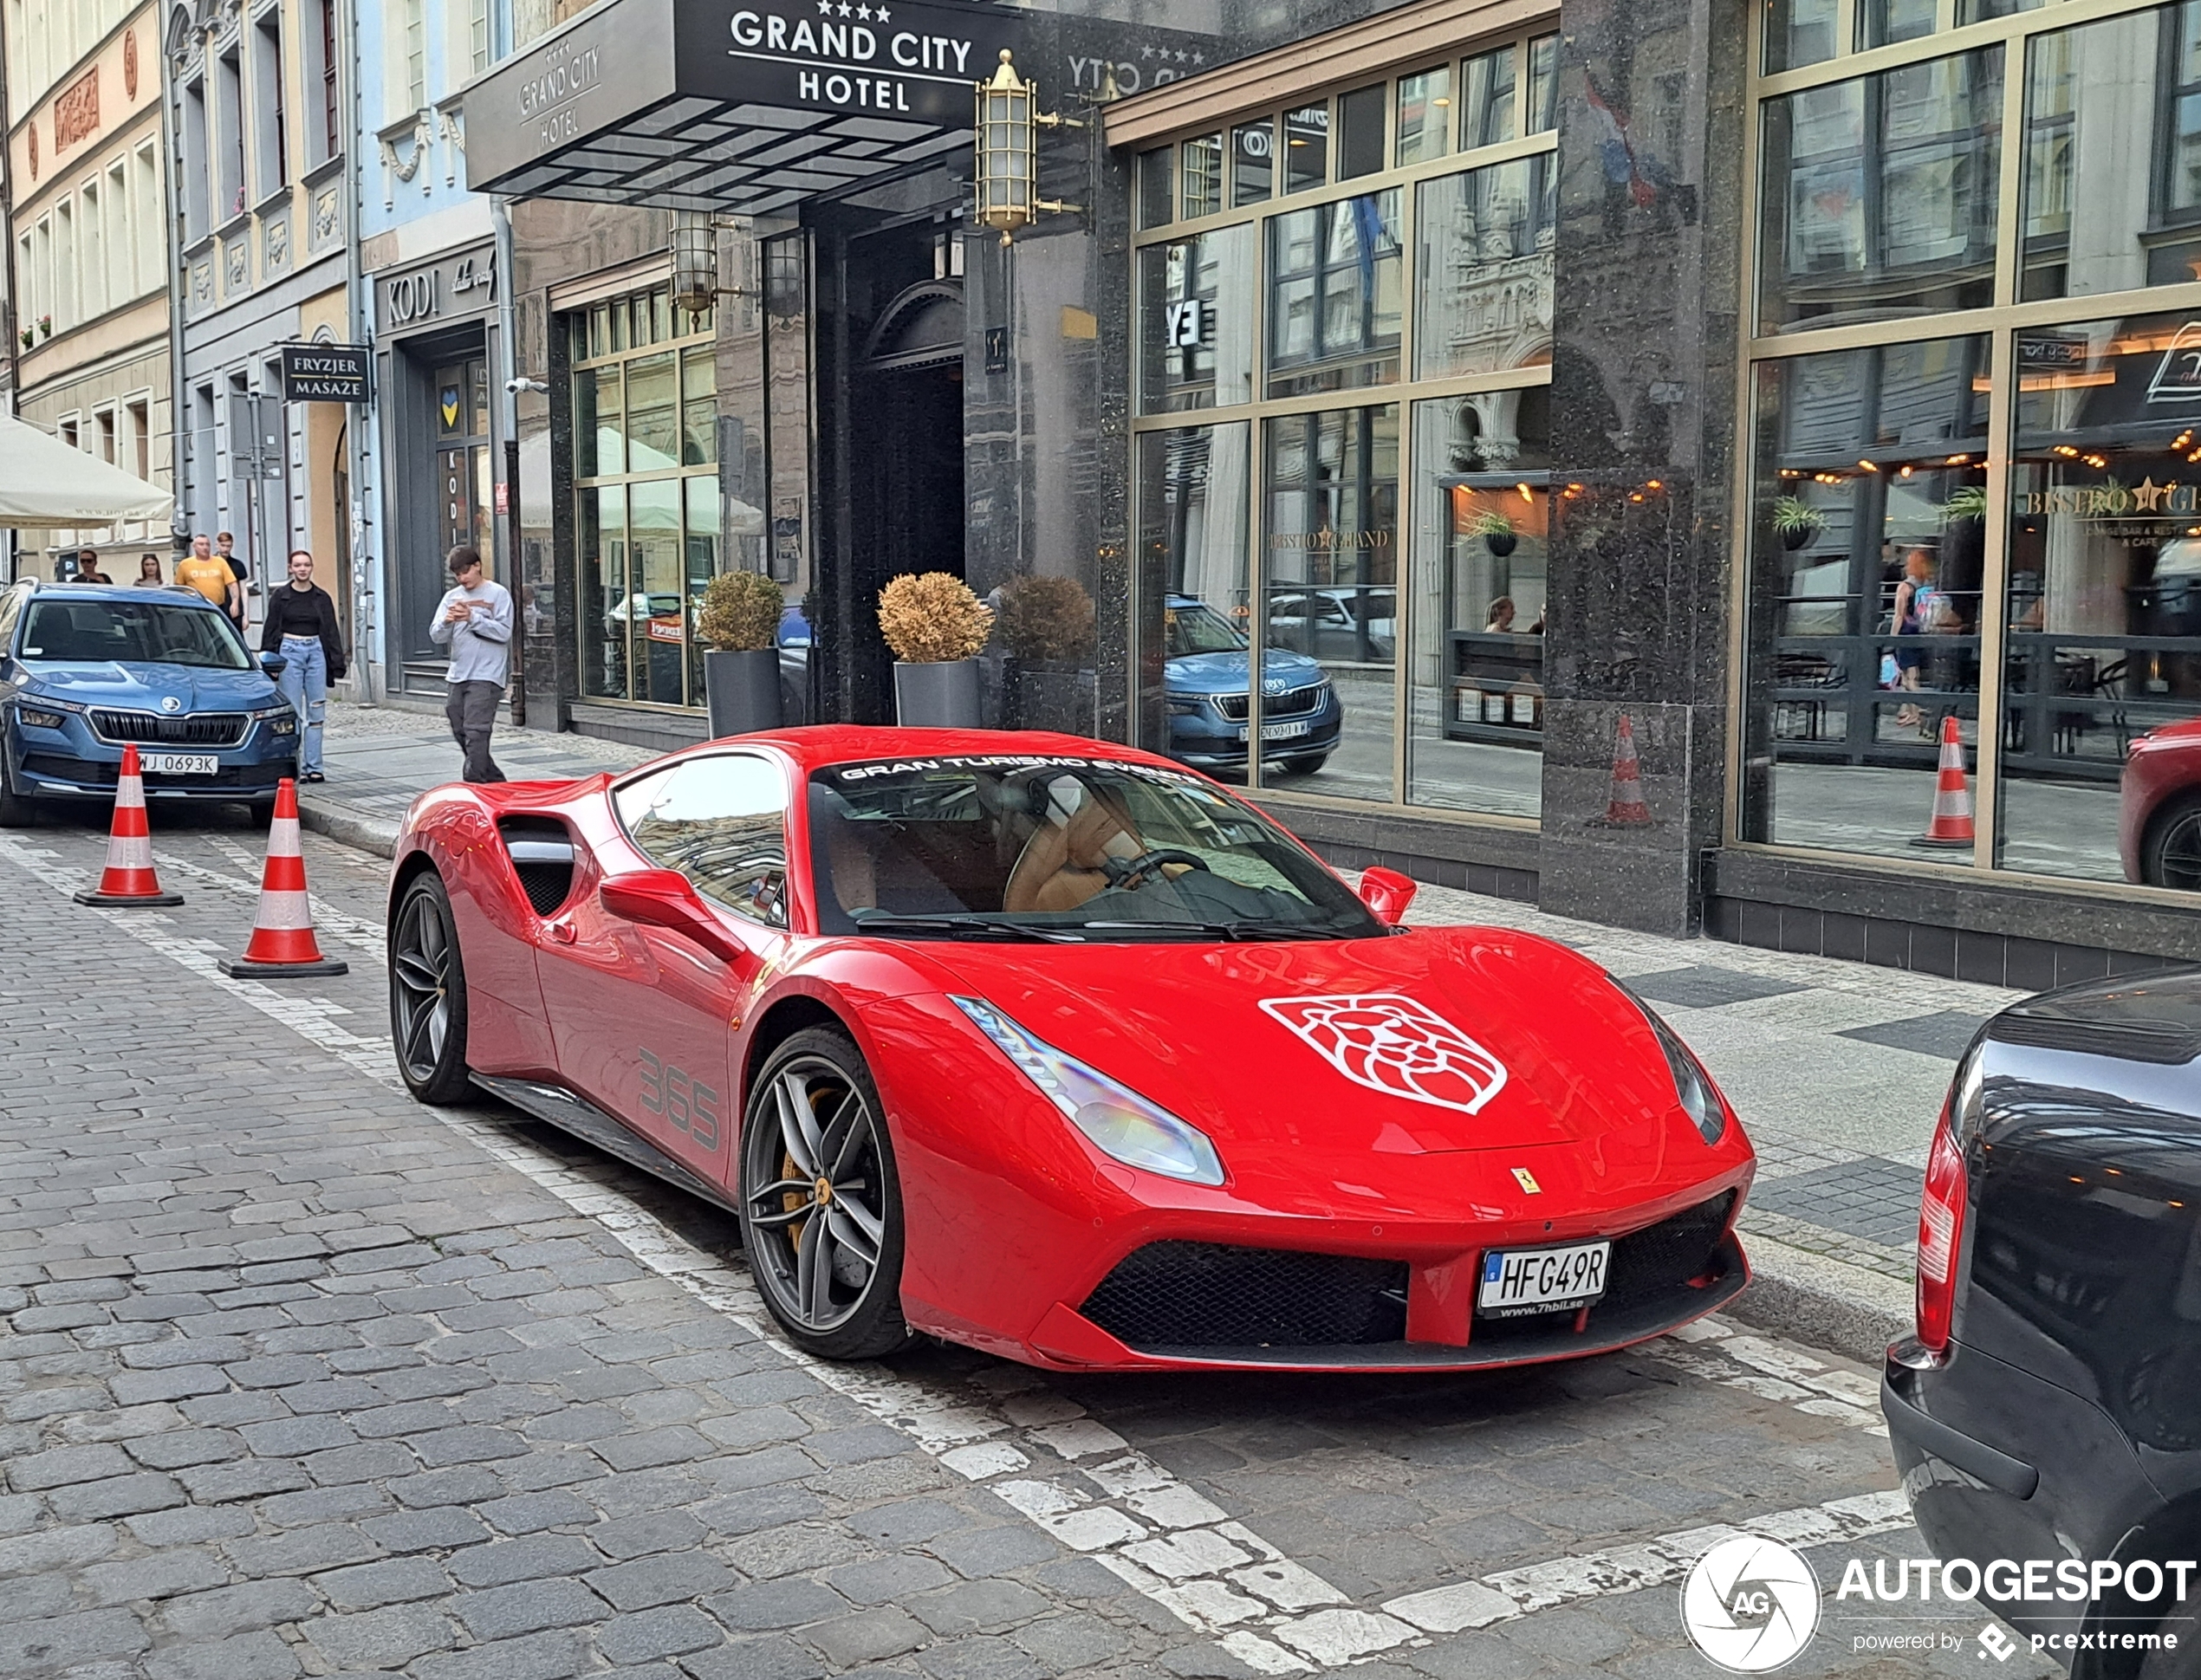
{"x": 2049, "y": 1406}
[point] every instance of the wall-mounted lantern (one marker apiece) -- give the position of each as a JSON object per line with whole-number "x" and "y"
{"x": 1007, "y": 176}
{"x": 696, "y": 284}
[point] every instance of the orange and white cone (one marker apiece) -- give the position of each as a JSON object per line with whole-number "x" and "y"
{"x": 283, "y": 943}
{"x": 1625, "y": 809}
{"x": 1952, "y": 822}
{"x": 128, "y": 877}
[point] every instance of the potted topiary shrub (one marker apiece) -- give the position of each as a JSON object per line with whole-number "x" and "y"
{"x": 1795, "y": 521}
{"x": 935, "y": 628}
{"x": 1047, "y": 625}
{"x": 741, "y": 666}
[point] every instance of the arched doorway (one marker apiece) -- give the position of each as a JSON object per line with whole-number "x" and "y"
{"x": 910, "y": 399}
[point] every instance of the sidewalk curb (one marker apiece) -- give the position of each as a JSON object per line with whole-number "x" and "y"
{"x": 1804, "y": 1297}
{"x": 348, "y": 825}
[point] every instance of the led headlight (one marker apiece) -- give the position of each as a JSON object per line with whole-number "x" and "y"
{"x": 1116, "y": 1119}
{"x": 1698, "y": 1097}
{"x": 38, "y": 717}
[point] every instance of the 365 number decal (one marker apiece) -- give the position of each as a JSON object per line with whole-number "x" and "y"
{"x": 687, "y": 1104}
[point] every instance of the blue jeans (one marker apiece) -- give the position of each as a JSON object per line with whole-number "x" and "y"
{"x": 304, "y": 683}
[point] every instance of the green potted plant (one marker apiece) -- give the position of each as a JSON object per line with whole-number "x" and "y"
{"x": 1496, "y": 532}
{"x": 1795, "y": 521}
{"x": 936, "y": 626}
{"x": 741, "y": 667}
{"x": 1969, "y": 502}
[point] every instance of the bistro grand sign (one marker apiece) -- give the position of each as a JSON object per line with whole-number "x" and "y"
{"x": 751, "y": 106}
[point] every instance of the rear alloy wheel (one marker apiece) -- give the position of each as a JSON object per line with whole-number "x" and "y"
{"x": 428, "y": 994}
{"x": 820, "y": 1203}
{"x": 2171, "y": 855}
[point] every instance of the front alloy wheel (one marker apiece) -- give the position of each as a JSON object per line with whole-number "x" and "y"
{"x": 820, "y": 1204}
{"x": 428, "y": 994}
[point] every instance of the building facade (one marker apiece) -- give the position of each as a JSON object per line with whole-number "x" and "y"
{"x": 1634, "y": 456}
{"x": 259, "y": 143}
{"x": 88, "y": 253}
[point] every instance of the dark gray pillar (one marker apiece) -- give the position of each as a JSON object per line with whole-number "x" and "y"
{"x": 1652, "y": 203}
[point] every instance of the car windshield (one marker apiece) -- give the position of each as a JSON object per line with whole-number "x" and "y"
{"x": 1199, "y": 628}
{"x": 130, "y": 630}
{"x": 1016, "y": 847}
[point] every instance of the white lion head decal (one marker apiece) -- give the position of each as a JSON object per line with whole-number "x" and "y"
{"x": 1393, "y": 1044}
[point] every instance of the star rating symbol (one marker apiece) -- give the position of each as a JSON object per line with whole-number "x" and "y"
{"x": 1147, "y": 51}
{"x": 864, "y": 12}
{"x": 1182, "y": 55}
{"x": 2151, "y": 494}
{"x": 879, "y": 13}
{"x": 846, "y": 9}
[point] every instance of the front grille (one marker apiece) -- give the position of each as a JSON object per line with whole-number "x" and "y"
{"x": 229, "y": 777}
{"x": 204, "y": 728}
{"x": 1292, "y": 702}
{"x": 1205, "y": 1295}
{"x": 1662, "y": 1259}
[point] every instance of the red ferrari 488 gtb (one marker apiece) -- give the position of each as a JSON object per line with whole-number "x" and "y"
{"x": 1060, "y": 1050}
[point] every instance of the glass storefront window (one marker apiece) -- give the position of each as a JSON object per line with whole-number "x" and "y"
{"x": 2095, "y": 97}
{"x": 699, "y": 408}
{"x": 652, "y": 415}
{"x": 1800, "y": 33}
{"x": 1334, "y": 296}
{"x": 1484, "y": 269}
{"x": 1879, "y": 194}
{"x": 602, "y": 554}
{"x": 1307, "y": 147}
{"x": 1202, "y": 187}
{"x": 2103, "y": 605}
{"x": 1253, "y": 161}
{"x": 1543, "y": 85}
{"x": 1866, "y": 560}
{"x": 1196, "y": 330}
{"x": 1424, "y": 115}
{"x": 1488, "y": 101}
{"x": 1477, "y": 591}
{"x": 1195, "y": 661}
{"x": 1360, "y": 131}
{"x": 701, "y": 527}
{"x": 1157, "y": 202}
{"x": 1330, "y": 593}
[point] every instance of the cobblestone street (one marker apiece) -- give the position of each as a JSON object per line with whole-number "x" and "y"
{"x": 301, "y": 1378}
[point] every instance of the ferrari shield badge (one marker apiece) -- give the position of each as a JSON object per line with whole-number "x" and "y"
{"x": 1391, "y": 1043}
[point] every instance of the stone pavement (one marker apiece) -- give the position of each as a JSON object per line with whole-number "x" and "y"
{"x": 1837, "y": 1069}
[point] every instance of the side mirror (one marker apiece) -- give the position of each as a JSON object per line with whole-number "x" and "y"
{"x": 273, "y": 663}
{"x": 663, "y": 897}
{"x": 1388, "y": 894}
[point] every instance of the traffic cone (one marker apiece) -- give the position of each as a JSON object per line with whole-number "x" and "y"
{"x": 282, "y": 944}
{"x": 128, "y": 877}
{"x": 1626, "y": 809}
{"x": 1952, "y": 822}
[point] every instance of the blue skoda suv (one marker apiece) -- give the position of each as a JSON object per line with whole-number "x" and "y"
{"x": 1205, "y": 668}
{"x": 85, "y": 669}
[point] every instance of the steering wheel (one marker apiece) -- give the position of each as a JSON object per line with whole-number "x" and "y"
{"x": 1125, "y": 873}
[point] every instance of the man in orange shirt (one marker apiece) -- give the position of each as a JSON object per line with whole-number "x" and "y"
{"x": 205, "y": 571}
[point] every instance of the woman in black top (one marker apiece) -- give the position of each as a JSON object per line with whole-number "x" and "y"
{"x": 301, "y": 626}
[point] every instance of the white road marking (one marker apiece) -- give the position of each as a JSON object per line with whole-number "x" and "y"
{"x": 362, "y": 935}
{"x": 1137, "y": 1519}
{"x": 1716, "y": 1351}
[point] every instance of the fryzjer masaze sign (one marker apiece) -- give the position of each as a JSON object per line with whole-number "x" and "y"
{"x": 325, "y": 372}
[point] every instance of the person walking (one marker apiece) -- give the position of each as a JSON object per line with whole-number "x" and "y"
{"x": 239, "y": 608}
{"x": 87, "y": 567}
{"x": 200, "y": 570}
{"x": 149, "y": 574}
{"x": 301, "y": 626}
{"x": 474, "y": 619}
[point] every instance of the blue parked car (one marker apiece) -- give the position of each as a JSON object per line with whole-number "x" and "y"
{"x": 1205, "y": 665}
{"x": 87, "y": 668}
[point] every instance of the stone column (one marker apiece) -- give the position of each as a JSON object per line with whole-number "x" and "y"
{"x": 1652, "y": 207}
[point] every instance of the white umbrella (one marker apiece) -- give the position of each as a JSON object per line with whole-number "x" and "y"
{"x": 45, "y": 483}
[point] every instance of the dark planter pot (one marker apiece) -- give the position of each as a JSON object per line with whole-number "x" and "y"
{"x": 1500, "y": 543}
{"x": 1047, "y": 694}
{"x": 743, "y": 690}
{"x": 937, "y": 696}
{"x": 1795, "y": 540}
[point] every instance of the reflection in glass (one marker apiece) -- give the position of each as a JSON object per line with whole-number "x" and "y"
{"x": 653, "y": 424}
{"x": 1798, "y": 33}
{"x": 702, "y": 495}
{"x": 1330, "y": 589}
{"x": 1333, "y": 297}
{"x": 1360, "y": 131}
{"x": 699, "y": 408}
{"x": 1484, "y": 269}
{"x": 1543, "y": 85}
{"x": 1195, "y": 326}
{"x": 1424, "y": 115}
{"x": 1866, "y": 561}
{"x": 1193, "y": 663}
{"x": 601, "y": 546}
{"x": 1202, "y": 189}
{"x": 1307, "y": 147}
{"x": 1882, "y": 22}
{"x": 1880, "y": 194}
{"x": 1253, "y": 161}
{"x": 1487, "y": 99}
{"x": 1155, "y": 197}
{"x": 1475, "y": 731}
{"x": 2095, "y": 217}
{"x": 655, "y": 608}
{"x": 2103, "y": 612}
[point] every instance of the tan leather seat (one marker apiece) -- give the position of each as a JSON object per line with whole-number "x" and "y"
{"x": 1060, "y": 867}
{"x": 855, "y": 872}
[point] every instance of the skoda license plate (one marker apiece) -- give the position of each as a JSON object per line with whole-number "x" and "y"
{"x": 1517, "y": 1281}
{"x": 1280, "y": 731}
{"x": 180, "y": 763}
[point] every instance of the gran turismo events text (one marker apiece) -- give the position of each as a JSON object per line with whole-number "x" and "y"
{"x": 2005, "y": 1580}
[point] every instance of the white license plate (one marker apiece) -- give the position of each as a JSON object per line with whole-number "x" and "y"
{"x": 180, "y": 763}
{"x": 1541, "y": 1280}
{"x": 1280, "y": 731}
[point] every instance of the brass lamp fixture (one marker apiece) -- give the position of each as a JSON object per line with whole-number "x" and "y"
{"x": 695, "y": 263}
{"x": 1006, "y": 179}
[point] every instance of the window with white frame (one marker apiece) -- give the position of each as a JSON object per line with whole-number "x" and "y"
{"x": 149, "y": 236}
{"x": 65, "y": 272}
{"x": 408, "y": 58}
{"x": 91, "y": 208}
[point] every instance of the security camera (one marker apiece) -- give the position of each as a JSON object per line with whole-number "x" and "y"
{"x": 521, "y": 385}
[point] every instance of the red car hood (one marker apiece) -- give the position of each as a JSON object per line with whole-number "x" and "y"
{"x": 1437, "y": 1041}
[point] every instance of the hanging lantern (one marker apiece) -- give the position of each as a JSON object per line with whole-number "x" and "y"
{"x": 1006, "y": 178}
{"x": 695, "y": 261}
